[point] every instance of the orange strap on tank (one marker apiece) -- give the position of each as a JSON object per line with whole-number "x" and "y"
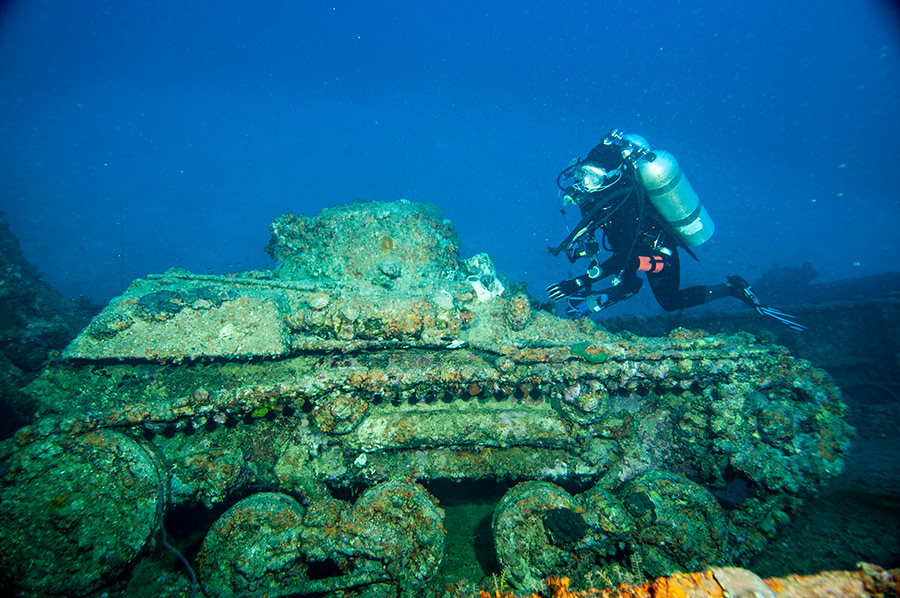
{"x": 652, "y": 264}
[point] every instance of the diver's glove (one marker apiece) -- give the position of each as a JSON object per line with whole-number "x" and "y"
{"x": 580, "y": 285}
{"x": 740, "y": 288}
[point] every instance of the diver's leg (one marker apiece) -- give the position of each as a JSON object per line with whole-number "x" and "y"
{"x": 664, "y": 274}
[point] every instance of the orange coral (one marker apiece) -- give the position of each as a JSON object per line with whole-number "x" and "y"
{"x": 869, "y": 581}
{"x": 557, "y": 586}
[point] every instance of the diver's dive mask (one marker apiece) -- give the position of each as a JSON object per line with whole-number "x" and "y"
{"x": 590, "y": 178}
{"x": 581, "y": 176}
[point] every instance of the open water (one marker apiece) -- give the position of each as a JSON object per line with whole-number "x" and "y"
{"x": 136, "y": 136}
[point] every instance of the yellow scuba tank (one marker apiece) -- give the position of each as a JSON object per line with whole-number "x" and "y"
{"x": 673, "y": 197}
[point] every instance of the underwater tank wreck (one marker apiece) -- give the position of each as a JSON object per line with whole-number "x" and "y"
{"x": 313, "y": 406}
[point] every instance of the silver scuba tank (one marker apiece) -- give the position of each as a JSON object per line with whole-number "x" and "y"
{"x": 671, "y": 194}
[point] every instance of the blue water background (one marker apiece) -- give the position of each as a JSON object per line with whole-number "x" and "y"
{"x": 140, "y": 135}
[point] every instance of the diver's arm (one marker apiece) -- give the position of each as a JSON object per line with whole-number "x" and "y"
{"x": 598, "y": 270}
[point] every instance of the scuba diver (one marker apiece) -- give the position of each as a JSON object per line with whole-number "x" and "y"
{"x": 638, "y": 205}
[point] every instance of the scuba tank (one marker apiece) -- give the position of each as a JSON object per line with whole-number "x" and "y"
{"x": 676, "y": 201}
{"x": 668, "y": 190}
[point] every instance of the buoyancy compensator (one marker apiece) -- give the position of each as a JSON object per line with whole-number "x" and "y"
{"x": 668, "y": 189}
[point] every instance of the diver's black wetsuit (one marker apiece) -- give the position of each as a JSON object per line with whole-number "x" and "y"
{"x": 621, "y": 219}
